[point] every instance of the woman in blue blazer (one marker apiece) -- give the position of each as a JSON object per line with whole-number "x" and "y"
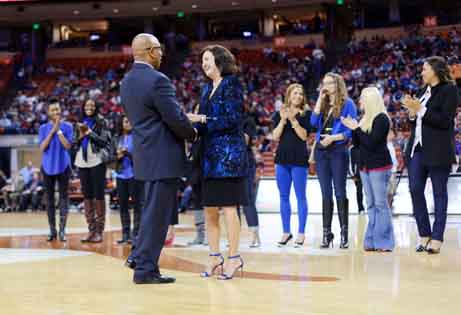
{"x": 224, "y": 155}
{"x": 331, "y": 155}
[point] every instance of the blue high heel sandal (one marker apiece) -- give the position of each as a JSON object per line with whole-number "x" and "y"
{"x": 225, "y": 276}
{"x": 206, "y": 274}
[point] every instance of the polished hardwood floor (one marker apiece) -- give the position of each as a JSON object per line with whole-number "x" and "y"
{"x": 37, "y": 277}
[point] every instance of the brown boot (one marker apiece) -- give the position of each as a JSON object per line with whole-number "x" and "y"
{"x": 99, "y": 221}
{"x": 90, "y": 219}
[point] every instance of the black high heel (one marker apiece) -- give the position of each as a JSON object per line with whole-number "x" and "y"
{"x": 422, "y": 248}
{"x": 327, "y": 239}
{"x": 432, "y": 251}
{"x": 299, "y": 244}
{"x": 225, "y": 276}
{"x": 285, "y": 242}
{"x": 207, "y": 274}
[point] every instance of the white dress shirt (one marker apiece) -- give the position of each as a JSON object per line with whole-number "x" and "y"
{"x": 419, "y": 120}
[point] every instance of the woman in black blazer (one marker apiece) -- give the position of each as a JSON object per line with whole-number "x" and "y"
{"x": 431, "y": 149}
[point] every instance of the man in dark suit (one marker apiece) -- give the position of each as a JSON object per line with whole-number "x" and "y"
{"x": 159, "y": 130}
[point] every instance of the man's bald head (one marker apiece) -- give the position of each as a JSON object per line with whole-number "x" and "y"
{"x": 144, "y": 46}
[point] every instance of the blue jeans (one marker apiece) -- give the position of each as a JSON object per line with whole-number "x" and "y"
{"x": 332, "y": 165}
{"x": 417, "y": 175}
{"x": 380, "y": 231}
{"x": 285, "y": 175}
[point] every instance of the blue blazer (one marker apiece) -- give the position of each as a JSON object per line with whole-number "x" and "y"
{"x": 159, "y": 124}
{"x": 349, "y": 109}
{"x": 224, "y": 151}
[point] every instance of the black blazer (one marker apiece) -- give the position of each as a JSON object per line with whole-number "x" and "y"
{"x": 372, "y": 146}
{"x": 159, "y": 124}
{"x": 438, "y": 125}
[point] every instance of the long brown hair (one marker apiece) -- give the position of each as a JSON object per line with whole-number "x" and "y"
{"x": 340, "y": 96}
{"x": 286, "y": 103}
{"x": 441, "y": 69}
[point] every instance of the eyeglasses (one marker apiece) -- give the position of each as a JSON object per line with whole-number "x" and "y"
{"x": 154, "y": 47}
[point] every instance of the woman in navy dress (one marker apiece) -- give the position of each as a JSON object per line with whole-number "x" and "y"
{"x": 224, "y": 156}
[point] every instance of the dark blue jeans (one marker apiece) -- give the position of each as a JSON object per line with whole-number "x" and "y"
{"x": 331, "y": 165}
{"x": 251, "y": 214}
{"x": 285, "y": 175}
{"x": 418, "y": 174}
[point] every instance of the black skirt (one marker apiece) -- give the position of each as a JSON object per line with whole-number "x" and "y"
{"x": 225, "y": 192}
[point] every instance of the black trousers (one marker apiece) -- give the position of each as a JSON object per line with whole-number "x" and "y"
{"x": 93, "y": 181}
{"x": 160, "y": 200}
{"x": 418, "y": 173}
{"x": 63, "y": 186}
{"x": 127, "y": 188}
{"x": 359, "y": 191}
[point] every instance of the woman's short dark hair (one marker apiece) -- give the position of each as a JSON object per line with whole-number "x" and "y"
{"x": 441, "y": 69}
{"x": 224, "y": 59}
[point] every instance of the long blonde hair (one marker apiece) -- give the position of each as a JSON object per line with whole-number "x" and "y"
{"x": 286, "y": 103}
{"x": 373, "y": 104}
{"x": 340, "y": 96}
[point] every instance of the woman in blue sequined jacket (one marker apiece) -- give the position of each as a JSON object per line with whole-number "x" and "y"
{"x": 223, "y": 154}
{"x": 224, "y": 147}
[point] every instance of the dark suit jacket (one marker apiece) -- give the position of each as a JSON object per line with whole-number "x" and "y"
{"x": 438, "y": 147}
{"x": 224, "y": 148}
{"x": 159, "y": 124}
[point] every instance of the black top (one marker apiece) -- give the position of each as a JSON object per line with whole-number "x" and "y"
{"x": 438, "y": 147}
{"x": 292, "y": 150}
{"x": 373, "y": 146}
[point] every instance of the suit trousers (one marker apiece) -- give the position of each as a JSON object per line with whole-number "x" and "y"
{"x": 159, "y": 202}
{"x": 418, "y": 174}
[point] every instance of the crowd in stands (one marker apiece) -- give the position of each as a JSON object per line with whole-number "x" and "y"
{"x": 394, "y": 66}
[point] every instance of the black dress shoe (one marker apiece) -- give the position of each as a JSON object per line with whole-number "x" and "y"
{"x": 154, "y": 280}
{"x": 130, "y": 263}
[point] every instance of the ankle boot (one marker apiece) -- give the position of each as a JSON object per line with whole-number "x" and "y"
{"x": 327, "y": 216}
{"x": 343, "y": 213}
{"x": 100, "y": 207}
{"x": 89, "y": 212}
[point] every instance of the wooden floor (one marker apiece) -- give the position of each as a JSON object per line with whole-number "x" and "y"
{"x": 37, "y": 277}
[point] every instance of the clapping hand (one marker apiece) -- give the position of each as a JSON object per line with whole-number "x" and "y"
{"x": 284, "y": 113}
{"x": 56, "y": 124}
{"x": 412, "y": 104}
{"x": 292, "y": 112}
{"x": 350, "y": 122}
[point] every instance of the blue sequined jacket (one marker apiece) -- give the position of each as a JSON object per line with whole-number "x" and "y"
{"x": 224, "y": 152}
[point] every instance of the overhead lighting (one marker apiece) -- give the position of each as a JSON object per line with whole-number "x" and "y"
{"x": 154, "y": 9}
{"x": 234, "y": 3}
{"x": 275, "y": 16}
{"x": 274, "y": 1}
{"x": 194, "y": 6}
{"x": 115, "y": 11}
{"x": 76, "y": 12}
